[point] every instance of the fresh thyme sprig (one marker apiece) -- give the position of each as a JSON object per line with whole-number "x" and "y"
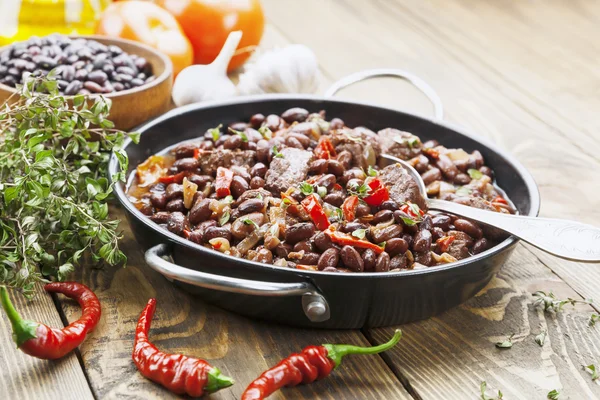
{"x": 54, "y": 184}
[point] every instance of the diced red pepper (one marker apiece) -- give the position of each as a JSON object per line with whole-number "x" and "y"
{"x": 223, "y": 182}
{"x": 408, "y": 210}
{"x": 337, "y": 186}
{"x": 317, "y": 214}
{"x": 431, "y": 153}
{"x": 445, "y": 242}
{"x": 349, "y": 208}
{"x": 186, "y": 233}
{"x": 196, "y": 153}
{"x": 379, "y": 193}
{"x": 500, "y": 199}
{"x": 307, "y": 267}
{"x": 345, "y": 239}
{"x": 325, "y": 148}
{"x": 177, "y": 178}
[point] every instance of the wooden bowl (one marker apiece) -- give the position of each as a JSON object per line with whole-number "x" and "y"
{"x": 132, "y": 107}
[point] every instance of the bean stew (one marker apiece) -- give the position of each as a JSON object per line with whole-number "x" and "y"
{"x": 298, "y": 191}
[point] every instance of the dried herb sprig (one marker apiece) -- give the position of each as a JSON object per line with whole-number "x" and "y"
{"x": 485, "y": 396}
{"x": 53, "y": 184}
{"x": 551, "y": 303}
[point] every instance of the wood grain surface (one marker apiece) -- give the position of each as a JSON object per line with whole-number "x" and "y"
{"x": 522, "y": 74}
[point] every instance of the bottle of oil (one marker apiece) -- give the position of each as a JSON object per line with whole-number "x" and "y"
{"x": 21, "y": 19}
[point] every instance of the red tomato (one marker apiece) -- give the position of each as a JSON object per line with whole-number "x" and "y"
{"x": 147, "y": 23}
{"x": 207, "y": 23}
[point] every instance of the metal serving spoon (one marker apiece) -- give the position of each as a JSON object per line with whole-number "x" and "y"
{"x": 567, "y": 239}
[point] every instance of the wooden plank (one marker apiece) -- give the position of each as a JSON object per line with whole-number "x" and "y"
{"x": 240, "y": 347}
{"x": 448, "y": 356}
{"x": 25, "y": 377}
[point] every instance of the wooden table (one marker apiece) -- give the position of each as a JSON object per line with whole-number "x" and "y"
{"x": 523, "y": 74}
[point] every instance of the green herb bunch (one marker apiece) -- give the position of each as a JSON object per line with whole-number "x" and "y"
{"x": 54, "y": 186}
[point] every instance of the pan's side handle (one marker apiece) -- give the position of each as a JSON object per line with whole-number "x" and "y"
{"x": 438, "y": 108}
{"x": 314, "y": 303}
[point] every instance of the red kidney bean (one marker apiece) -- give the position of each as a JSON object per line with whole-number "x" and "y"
{"x": 398, "y": 262}
{"x": 251, "y": 205}
{"x": 426, "y": 222}
{"x": 263, "y": 150}
{"x": 274, "y": 122}
{"x": 259, "y": 169}
{"x": 461, "y": 237}
{"x": 322, "y": 242}
{"x": 186, "y": 164}
{"x": 304, "y": 140}
{"x": 175, "y": 205}
{"x": 396, "y": 246}
{"x": 389, "y": 205}
{"x": 352, "y": 259}
{"x": 434, "y": 174}
{"x": 382, "y": 216}
{"x": 146, "y": 209}
{"x": 480, "y": 245}
{"x": 185, "y": 150}
{"x": 462, "y": 165}
{"x": 196, "y": 236}
{"x": 232, "y": 142}
{"x": 298, "y": 232}
{"x": 215, "y": 232}
{"x": 200, "y": 180}
{"x": 310, "y": 259}
{"x": 174, "y": 190}
{"x": 352, "y": 173}
{"x": 335, "y": 199}
{"x": 441, "y": 221}
{"x": 159, "y": 199}
{"x": 336, "y": 123}
{"x": 385, "y": 234}
{"x": 295, "y": 114}
{"x": 424, "y": 258}
{"x": 422, "y": 240}
{"x": 176, "y": 223}
{"x": 329, "y": 259}
{"x": 303, "y": 245}
{"x": 468, "y": 227}
{"x": 431, "y": 144}
{"x": 240, "y": 229}
{"x": 345, "y": 158}
{"x": 238, "y": 186}
{"x": 445, "y": 164}
{"x": 350, "y": 227}
{"x": 487, "y": 171}
{"x": 326, "y": 181}
{"x": 200, "y": 211}
{"x": 264, "y": 256}
{"x": 282, "y": 250}
{"x": 331, "y": 269}
{"x": 462, "y": 179}
{"x": 256, "y": 120}
{"x": 476, "y": 160}
{"x": 420, "y": 163}
{"x": 318, "y": 167}
{"x": 437, "y": 233}
{"x": 160, "y": 217}
{"x": 238, "y": 126}
{"x": 335, "y": 167}
{"x": 257, "y": 183}
{"x": 362, "y": 210}
{"x": 383, "y": 262}
{"x": 369, "y": 259}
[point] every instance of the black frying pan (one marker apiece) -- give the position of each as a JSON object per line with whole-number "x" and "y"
{"x": 319, "y": 299}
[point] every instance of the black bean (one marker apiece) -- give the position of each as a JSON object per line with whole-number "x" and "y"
{"x": 238, "y": 186}
{"x": 462, "y": 179}
{"x": 174, "y": 190}
{"x": 424, "y": 258}
{"x": 176, "y": 223}
{"x": 293, "y": 142}
{"x": 251, "y": 205}
{"x": 126, "y": 70}
{"x": 68, "y": 73}
{"x": 232, "y": 142}
{"x": 240, "y": 229}
{"x": 422, "y": 241}
{"x": 73, "y": 88}
{"x": 200, "y": 211}
{"x": 72, "y": 59}
{"x": 159, "y": 199}
{"x": 335, "y": 199}
{"x": 141, "y": 63}
{"x": 396, "y": 246}
{"x": 468, "y": 227}
{"x": 62, "y": 84}
{"x": 480, "y": 245}
{"x": 97, "y": 76}
{"x": 298, "y": 232}
{"x": 215, "y": 232}
{"x": 426, "y": 222}
{"x": 322, "y": 242}
{"x": 382, "y": 216}
{"x": 436, "y": 233}
{"x": 370, "y": 260}
{"x": 263, "y": 150}
{"x": 259, "y": 169}
{"x": 264, "y": 256}
{"x": 385, "y": 234}
{"x": 176, "y": 205}
{"x": 352, "y": 259}
{"x": 295, "y": 114}
{"x": 15, "y": 72}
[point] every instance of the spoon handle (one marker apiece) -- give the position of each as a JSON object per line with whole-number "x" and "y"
{"x": 563, "y": 238}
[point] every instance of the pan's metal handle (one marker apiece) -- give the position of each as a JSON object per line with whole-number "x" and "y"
{"x": 438, "y": 108}
{"x": 314, "y": 303}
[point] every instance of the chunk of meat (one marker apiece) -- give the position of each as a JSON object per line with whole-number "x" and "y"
{"x": 360, "y": 142}
{"x": 400, "y": 144}
{"x": 211, "y": 160}
{"x": 459, "y": 248}
{"x": 401, "y": 186}
{"x": 288, "y": 171}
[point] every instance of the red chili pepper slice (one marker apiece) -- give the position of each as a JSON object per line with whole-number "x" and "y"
{"x": 314, "y": 362}
{"x": 379, "y": 193}
{"x": 337, "y": 186}
{"x": 431, "y": 153}
{"x": 325, "y": 149}
{"x": 500, "y": 199}
{"x": 345, "y": 239}
{"x": 444, "y": 243}
{"x": 315, "y": 210}
{"x": 196, "y": 153}
{"x": 39, "y": 340}
{"x": 349, "y": 208}
{"x": 223, "y": 182}
{"x": 178, "y": 373}
{"x": 177, "y": 178}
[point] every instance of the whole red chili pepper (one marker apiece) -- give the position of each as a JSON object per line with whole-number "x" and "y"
{"x": 314, "y": 362}
{"x": 315, "y": 210}
{"x": 39, "y": 340}
{"x": 178, "y": 373}
{"x": 223, "y": 182}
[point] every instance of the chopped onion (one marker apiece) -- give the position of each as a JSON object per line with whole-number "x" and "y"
{"x": 220, "y": 244}
{"x": 446, "y": 188}
{"x": 433, "y": 189}
{"x": 150, "y": 170}
{"x": 252, "y": 239}
{"x": 444, "y": 258}
{"x": 189, "y": 190}
{"x": 369, "y": 155}
{"x": 457, "y": 154}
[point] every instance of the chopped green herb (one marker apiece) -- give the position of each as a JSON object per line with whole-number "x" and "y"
{"x": 507, "y": 344}
{"x": 339, "y": 214}
{"x": 382, "y": 245}
{"x": 215, "y": 132}
{"x": 321, "y": 191}
{"x": 474, "y": 174}
{"x": 228, "y": 199}
{"x": 541, "y": 338}
{"x": 409, "y": 221}
{"x": 240, "y": 134}
{"x": 593, "y": 319}
{"x": 415, "y": 208}
{"x": 551, "y": 303}
{"x": 276, "y": 152}
{"x": 306, "y": 188}
{"x": 259, "y": 196}
{"x": 248, "y": 221}
{"x": 224, "y": 218}
{"x": 359, "y": 233}
{"x": 360, "y": 191}
{"x": 371, "y": 171}
{"x": 286, "y": 201}
{"x": 553, "y": 394}
{"x": 591, "y": 369}
{"x": 463, "y": 191}
{"x": 410, "y": 141}
{"x": 265, "y": 132}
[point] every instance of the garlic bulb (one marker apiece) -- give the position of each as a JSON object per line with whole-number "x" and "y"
{"x": 291, "y": 69}
{"x": 198, "y": 83}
